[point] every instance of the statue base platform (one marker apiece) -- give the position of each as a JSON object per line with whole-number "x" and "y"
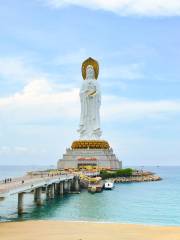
{"x": 90, "y": 144}
{"x": 95, "y": 153}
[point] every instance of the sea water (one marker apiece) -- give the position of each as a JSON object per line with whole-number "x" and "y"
{"x": 156, "y": 203}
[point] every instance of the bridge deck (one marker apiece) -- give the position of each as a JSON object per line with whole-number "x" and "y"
{"x": 29, "y": 183}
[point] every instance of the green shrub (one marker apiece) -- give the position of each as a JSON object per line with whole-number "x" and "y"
{"x": 127, "y": 172}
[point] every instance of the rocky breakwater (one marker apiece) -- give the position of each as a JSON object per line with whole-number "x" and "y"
{"x": 138, "y": 176}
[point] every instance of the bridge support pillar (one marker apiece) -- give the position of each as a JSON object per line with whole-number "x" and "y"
{"x": 56, "y": 188}
{"x": 76, "y": 184}
{"x": 69, "y": 186}
{"x": 61, "y": 188}
{"x": 47, "y": 192}
{"x": 20, "y": 203}
{"x": 52, "y": 191}
{"x": 65, "y": 186}
{"x": 37, "y": 195}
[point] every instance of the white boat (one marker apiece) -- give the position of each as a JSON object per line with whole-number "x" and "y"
{"x": 109, "y": 185}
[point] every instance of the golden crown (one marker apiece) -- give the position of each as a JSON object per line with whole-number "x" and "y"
{"x": 92, "y": 62}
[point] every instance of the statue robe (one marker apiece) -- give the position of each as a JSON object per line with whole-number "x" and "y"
{"x": 90, "y": 97}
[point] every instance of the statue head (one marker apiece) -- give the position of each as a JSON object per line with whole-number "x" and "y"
{"x": 90, "y": 69}
{"x": 90, "y": 72}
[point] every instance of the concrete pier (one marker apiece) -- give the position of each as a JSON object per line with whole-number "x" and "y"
{"x": 76, "y": 184}
{"x": 56, "y": 188}
{"x": 47, "y": 192}
{"x": 52, "y": 191}
{"x": 35, "y": 194}
{"x": 61, "y": 188}
{"x": 65, "y": 186}
{"x": 20, "y": 203}
{"x": 69, "y": 186}
{"x": 38, "y": 196}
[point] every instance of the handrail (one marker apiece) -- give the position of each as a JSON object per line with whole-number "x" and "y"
{"x": 31, "y": 183}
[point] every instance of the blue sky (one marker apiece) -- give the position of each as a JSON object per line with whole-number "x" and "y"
{"x": 42, "y": 46}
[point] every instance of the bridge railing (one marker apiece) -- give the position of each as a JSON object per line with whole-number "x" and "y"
{"x": 25, "y": 184}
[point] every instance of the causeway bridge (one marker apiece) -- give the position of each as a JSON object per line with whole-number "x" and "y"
{"x": 49, "y": 183}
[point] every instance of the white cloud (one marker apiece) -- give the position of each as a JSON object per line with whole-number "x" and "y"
{"x": 43, "y": 101}
{"x": 72, "y": 58}
{"x": 40, "y": 101}
{"x": 123, "y": 72}
{"x": 126, "y": 7}
{"x": 19, "y": 150}
{"x": 126, "y": 109}
{"x": 16, "y": 69}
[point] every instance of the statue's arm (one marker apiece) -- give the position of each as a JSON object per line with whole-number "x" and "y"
{"x": 92, "y": 93}
{"x": 83, "y": 90}
{"x": 89, "y": 91}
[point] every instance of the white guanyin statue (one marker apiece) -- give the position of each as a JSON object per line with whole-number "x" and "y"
{"x": 90, "y": 96}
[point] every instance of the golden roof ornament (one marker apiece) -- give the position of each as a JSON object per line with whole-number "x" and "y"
{"x": 93, "y": 63}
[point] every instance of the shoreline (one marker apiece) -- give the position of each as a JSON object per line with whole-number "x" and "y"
{"x": 93, "y": 222}
{"x": 89, "y": 221}
{"x": 85, "y": 230}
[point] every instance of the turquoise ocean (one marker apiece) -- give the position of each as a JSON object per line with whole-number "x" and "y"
{"x": 154, "y": 203}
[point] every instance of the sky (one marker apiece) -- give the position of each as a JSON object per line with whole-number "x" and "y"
{"x": 42, "y": 46}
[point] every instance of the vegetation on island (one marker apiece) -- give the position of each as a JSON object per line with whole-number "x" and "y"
{"x": 126, "y": 172}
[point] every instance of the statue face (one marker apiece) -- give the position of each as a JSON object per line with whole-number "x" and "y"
{"x": 90, "y": 72}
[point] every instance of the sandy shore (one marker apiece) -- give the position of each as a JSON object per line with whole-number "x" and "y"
{"x": 57, "y": 230}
